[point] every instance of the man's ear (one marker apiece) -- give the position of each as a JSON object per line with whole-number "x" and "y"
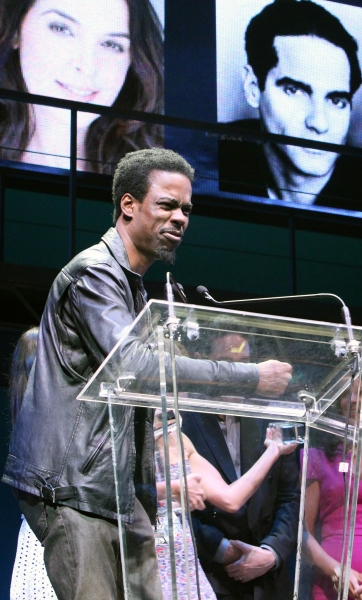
{"x": 251, "y": 87}
{"x": 127, "y": 203}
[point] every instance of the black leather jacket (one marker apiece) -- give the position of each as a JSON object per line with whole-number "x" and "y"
{"x": 61, "y": 447}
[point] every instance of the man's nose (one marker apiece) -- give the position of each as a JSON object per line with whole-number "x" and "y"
{"x": 317, "y": 118}
{"x": 180, "y": 218}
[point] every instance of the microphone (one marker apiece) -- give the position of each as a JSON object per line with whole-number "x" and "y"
{"x": 178, "y": 289}
{"x": 352, "y": 343}
{"x": 175, "y": 287}
{"x": 201, "y": 289}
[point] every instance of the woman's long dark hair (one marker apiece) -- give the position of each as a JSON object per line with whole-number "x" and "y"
{"x": 329, "y": 443}
{"x": 21, "y": 364}
{"x": 107, "y": 139}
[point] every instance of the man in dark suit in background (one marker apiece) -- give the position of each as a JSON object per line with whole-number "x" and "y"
{"x": 302, "y": 73}
{"x": 264, "y": 531}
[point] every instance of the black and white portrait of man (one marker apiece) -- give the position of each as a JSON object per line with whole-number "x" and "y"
{"x": 300, "y": 77}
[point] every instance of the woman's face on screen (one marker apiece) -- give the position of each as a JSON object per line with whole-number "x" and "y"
{"x": 76, "y": 49}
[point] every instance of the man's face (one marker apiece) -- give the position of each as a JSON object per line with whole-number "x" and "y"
{"x": 160, "y": 221}
{"x": 232, "y": 347}
{"x": 307, "y": 95}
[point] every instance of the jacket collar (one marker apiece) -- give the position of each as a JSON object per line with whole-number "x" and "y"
{"x": 210, "y": 429}
{"x": 115, "y": 245}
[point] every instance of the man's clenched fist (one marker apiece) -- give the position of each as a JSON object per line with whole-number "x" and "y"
{"x": 274, "y": 377}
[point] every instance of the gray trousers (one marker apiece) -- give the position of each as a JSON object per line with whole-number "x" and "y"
{"x": 82, "y": 552}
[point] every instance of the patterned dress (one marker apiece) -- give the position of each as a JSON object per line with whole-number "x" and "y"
{"x": 163, "y": 556}
{"x": 30, "y": 580}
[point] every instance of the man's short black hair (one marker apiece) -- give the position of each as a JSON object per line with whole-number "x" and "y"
{"x": 133, "y": 170}
{"x": 294, "y": 18}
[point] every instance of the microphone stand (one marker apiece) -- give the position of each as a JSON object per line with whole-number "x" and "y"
{"x": 172, "y": 324}
{"x": 352, "y": 346}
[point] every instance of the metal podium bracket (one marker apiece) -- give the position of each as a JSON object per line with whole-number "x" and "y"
{"x": 309, "y": 401}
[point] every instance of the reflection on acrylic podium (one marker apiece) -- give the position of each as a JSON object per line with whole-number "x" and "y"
{"x": 166, "y": 361}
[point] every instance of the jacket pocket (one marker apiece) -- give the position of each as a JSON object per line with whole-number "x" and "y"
{"x": 88, "y": 464}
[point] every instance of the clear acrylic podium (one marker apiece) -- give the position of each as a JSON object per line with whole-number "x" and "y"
{"x": 166, "y": 361}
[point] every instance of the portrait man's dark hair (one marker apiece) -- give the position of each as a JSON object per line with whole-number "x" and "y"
{"x": 132, "y": 173}
{"x": 296, "y": 18}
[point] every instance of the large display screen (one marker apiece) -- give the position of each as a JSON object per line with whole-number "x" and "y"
{"x": 107, "y": 52}
{"x": 291, "y": 68}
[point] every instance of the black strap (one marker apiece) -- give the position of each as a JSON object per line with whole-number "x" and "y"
{"x": 53, "y": 495}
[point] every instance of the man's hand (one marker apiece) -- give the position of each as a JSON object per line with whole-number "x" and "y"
{"x": 253, "y": 563}
{"x": 232, "y": 554}
{"x": 274, "y": 377}
{"x": 196, "y": 493}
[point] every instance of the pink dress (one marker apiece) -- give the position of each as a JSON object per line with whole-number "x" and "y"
{"x": 331, "y": 515}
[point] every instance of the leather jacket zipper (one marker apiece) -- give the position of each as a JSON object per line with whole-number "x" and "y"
{"x": 93, "y": 457}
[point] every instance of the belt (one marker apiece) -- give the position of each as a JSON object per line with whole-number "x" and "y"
{"x": 53, "y": 495}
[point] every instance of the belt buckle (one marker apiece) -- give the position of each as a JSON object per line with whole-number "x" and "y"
{"x": 48, "y": 493}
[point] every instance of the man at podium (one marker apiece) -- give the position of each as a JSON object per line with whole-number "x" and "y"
{"x": 60, "y": 459}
